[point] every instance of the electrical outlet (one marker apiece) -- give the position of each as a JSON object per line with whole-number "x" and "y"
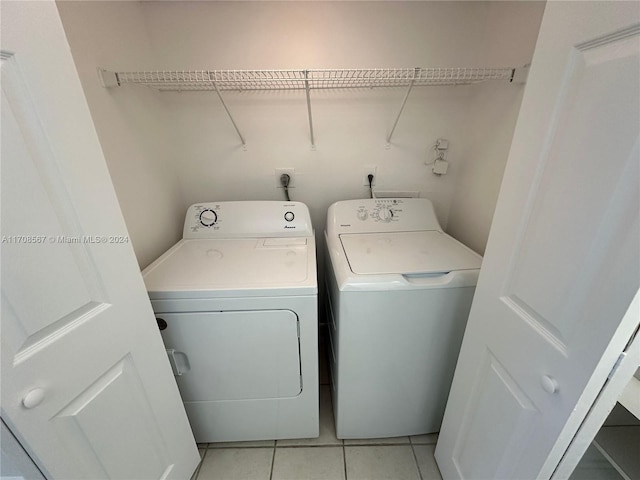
{"x": 292, "y": 177}
{"x": 366, "y": 171}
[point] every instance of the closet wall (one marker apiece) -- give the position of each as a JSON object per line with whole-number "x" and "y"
{"x": 493, "y": 112}
{"x": 168, "y": 150}
{"x": 131, "y": 124}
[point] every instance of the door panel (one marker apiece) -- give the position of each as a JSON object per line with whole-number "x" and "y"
{"x": 80, "y": 426}
{"x": 51, "y": 286}
{"x": 86, "y": 385}
{"x": 497, "y": 395}
{"x": 43, "y": 217}
{"x": 576, "y": 229}
{"x": 561, "y": 265}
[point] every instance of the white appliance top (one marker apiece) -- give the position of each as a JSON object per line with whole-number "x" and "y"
{"x": 395, "y": 243}
{"x": 238, "y": 249}
{"x": 423, "y": 252}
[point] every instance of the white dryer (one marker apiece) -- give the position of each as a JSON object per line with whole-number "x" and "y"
{"x": 399, "y": 292}
{"x": 236, "y": 302}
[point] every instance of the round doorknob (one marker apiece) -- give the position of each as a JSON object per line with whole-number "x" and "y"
{"x": 33, "y": 398}
{"x": 549, "y": 384}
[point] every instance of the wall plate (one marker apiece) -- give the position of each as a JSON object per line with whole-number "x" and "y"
{"x": 289, "y": 171}
{"x": 366, "y": 170}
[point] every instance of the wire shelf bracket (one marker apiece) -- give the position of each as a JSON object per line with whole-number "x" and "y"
{"x": 307, "y": 90}
{"x": 244, "y": 144}
{"x": 308, "y": 80}
{"x": 404, "y": 102}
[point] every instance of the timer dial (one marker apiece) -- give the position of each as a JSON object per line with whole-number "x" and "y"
{"x": 208, "y": 217}
{"x": 385, "y": 214}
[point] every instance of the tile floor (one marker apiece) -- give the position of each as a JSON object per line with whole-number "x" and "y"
{"x": 402, "y": 458}
{"x": 322, "y": 458}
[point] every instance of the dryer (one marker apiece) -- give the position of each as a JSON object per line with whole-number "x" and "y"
{"x": 399, "y": 294}
{"x": 236, "y": 303}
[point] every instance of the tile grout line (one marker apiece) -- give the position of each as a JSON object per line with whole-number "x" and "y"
{"x": 273, "y": 460}
{"x": 199, "y": 467}
{"x": 243, "y": 446}
{"x": 415, "y": 459}
{"x": 327, "y": 445}
{"x": 344, "y": 460}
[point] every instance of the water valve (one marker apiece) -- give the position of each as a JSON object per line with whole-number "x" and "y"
{"x": 440, "y": 164}
{"x": 442, "y": 144}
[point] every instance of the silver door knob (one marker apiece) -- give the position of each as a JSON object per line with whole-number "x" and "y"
{"x": 549, "y": 384}
{"x": 33, "y": 398}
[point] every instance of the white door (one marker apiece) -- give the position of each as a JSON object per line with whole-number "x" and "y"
{"x": 86, "y": 384}
{"x": 562, "y": 263}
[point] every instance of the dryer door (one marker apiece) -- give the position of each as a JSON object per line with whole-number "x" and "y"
{"x": 237, "y": 355}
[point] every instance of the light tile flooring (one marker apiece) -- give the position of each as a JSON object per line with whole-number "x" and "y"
{"x": 322, "y": 458}
{"x": 402, "y": 458}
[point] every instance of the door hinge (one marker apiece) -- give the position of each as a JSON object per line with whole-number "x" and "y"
{"x": 624, "y": 353}
{"x": 617, "y": 364}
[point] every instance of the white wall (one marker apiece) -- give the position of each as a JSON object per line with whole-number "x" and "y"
{"x": 493, "y": 113}
{"x": 189, "y": 135}
{"x": 131, "y": 125}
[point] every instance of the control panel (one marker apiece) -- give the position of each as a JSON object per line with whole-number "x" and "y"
{"x": 381, "y": 215}
{"x": 247, "y": 219}
{"x": 381, "y": 211}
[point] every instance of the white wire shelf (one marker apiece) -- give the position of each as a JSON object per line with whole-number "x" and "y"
{"x": 307, "y": 80}
{"x": 241, "y": 80}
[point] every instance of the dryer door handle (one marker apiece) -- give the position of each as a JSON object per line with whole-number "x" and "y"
{"x": 179, "y": 362}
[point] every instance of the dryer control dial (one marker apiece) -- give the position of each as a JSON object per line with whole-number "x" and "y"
{"x": 385, "y": 214}
{"x": 208, "y": 217}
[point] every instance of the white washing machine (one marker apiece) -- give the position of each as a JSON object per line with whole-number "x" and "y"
{"x": 399, "y": 291}
{"x": 236, "y": 302}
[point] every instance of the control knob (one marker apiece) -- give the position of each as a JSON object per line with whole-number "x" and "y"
{"x": 362, "y": 214}
{"x": 208, "y": 217}
{"x": 385, "y": 214}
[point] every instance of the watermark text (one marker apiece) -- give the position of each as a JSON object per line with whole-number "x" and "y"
{"x": 64, "y": 239}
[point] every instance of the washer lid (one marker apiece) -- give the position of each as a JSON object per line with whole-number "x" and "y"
{"x": 421, "y": 252}
{"x": 228, "y": 267}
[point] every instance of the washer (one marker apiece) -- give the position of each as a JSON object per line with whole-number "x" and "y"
{"x": 236, "y": 302}
{"x": 399, "y": 292}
